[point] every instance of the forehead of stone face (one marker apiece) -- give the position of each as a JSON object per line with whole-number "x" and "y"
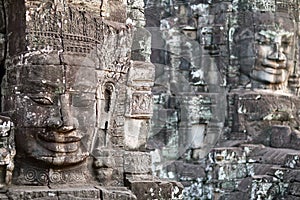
{"x": 52, "y": 78}
{"x": 40, "y": 78}
{"x": 82, "y": 79}
{"x": 274, "y": 22}
{"x": 251, "y": 23}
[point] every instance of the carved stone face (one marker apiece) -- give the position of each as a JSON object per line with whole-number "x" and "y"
{"x": 55, "y": 114}
{"x": 274, "y": 56}
{"x": 266, "y": 51}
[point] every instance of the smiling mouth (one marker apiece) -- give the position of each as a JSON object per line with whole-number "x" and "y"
{"x": 59, "y": 143}
{"x": 273, "y": 71}
{"x": 273, "y": 67}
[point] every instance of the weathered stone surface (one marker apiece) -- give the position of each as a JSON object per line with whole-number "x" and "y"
{"x": 116, "y": 193}
{"x": 280, "y": 136}
{"x": 15, "y": 26}
{"x": 292, "y": 160}
{"x": 271, "y": 155}
{"x": 182, "y": 170}
{"x": 235, "y": 195}
{"x": 227, "y": 155}
{"x": 152, "y": 190}
{"x": 77, "y": 87}
{"x": 3, "y": 196}
{"x": 294, "y": 189}
{"x": 291, "y": 176}
{"x": 226, "y": 72}
{"x": 236, "y": 51}
{"x": 291, "y": 197}
{"x": 141, "y": 45}
{"x": 136, "y": 133}
{"x": 76, "y": 192}
{"x": 137, "y": 163}
{"x": 295, "y": 140}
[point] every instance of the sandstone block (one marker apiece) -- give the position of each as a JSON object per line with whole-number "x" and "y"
{"x": 280, "y": 136}
{"x": 116, "y": 193}
{"x": 295, "y": 140}
{"x": 294, "y": 189}
{"x": 137, "y": 162}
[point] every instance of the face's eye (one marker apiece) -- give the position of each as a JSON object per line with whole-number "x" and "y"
{"x": 287, "y": 41}
{"x": 263, "y": 40}
{"x": 86, "y": 100}
{"x": 42, "y": 100}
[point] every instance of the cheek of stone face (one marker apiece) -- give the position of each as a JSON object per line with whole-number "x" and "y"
{"x": 84, "y": 110}
{"x": 290, "y": 55}
{"x": 247, "y": 64}
{"x": 246, "y": 49}
{"x": 261, "y": 55}
{"x": 26, "y": 142}
{"x": 245, "y": 53}
{"x": 28, "y": 114}
{"x": 85, "y": 120}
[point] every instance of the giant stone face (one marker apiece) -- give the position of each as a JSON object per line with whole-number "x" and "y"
{"x": 55, "y": 113}
{"x": 266, "y": 48}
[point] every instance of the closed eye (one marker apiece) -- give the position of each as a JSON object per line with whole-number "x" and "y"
{"x": 263, "y": 40}
{"x": 42, "y": 100}
{"x": 287, "y": 40}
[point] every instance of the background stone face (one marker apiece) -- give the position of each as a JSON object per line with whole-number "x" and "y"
{"x": 210, "y": 115}
{"x": 224, "y": 124}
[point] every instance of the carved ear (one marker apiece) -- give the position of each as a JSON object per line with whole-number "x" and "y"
{"x": 106, "y": 103}
{"x": 108, "y": 96}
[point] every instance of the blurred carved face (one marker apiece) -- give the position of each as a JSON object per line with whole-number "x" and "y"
{"x": 275, "y": 51}
{"x": 267, "y": 56}
{"x": 55, "y": 114}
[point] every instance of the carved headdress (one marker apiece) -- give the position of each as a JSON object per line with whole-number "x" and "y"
{"x": 267, "y": 5}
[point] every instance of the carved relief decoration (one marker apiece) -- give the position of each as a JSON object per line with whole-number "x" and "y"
{"x": 141, "y": 104}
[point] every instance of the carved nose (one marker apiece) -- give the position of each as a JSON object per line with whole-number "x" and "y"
{"x": 60, "y": 124}
{"x": 54, "y": 122}
{"x": 277, "y": 53}
{"x": 68, "y": 121}
{"x": 65, "y": 129}
{"x": 63, "y": 121}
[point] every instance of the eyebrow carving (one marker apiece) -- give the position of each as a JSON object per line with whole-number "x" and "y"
{"x": 272, "y": 34}
{"x": 45, "y": 85}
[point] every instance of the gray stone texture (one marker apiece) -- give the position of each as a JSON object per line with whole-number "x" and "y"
{"x": 81, "y": 81}
{"x": 76, "y": 87}
{"x": 222, "y": 105}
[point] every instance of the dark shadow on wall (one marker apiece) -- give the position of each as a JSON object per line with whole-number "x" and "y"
{"x": 12, "y": 31}
{"x": 3, "y": 41}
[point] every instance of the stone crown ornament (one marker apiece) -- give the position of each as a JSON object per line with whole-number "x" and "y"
{"x": 267, "y": 6}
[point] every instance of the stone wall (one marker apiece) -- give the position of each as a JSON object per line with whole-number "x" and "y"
{"x": 220, "y": 78}
{"x": 220, "y": 126}
{"x": 188, "y": 90}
